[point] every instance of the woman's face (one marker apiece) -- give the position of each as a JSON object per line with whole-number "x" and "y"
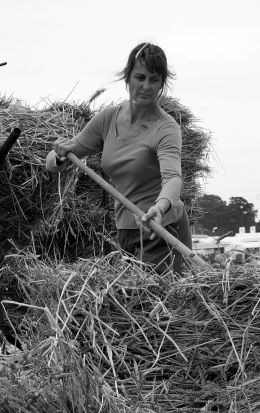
{"x": 144, "y": 86}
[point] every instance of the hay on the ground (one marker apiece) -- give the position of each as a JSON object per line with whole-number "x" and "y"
{"x": 102, "y": 335}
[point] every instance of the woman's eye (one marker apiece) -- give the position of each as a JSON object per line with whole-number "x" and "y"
{"x": 152, "y": 80}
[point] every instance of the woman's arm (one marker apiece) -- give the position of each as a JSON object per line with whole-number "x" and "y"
{"x": 88, "y": 141}
{"x": 170, "y": 193}
{"x": 168, "y": 147}
{"x": 164, "y": 203}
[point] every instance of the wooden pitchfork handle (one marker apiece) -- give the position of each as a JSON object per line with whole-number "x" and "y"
{"x": 158, "y": 229}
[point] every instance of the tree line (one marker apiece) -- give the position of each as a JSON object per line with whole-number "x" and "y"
{"x": 219, "y": 217}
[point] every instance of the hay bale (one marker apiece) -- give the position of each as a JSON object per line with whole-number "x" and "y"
{"x": 66, "y": 215}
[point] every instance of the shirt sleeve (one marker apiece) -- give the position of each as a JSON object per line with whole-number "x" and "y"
{"x": 168, "y": 146}
{"x": 91, "y": 139}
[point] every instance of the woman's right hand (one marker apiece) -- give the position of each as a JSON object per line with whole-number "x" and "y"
{"x": 56, "y": 159}
{"x": 62, "y": 146}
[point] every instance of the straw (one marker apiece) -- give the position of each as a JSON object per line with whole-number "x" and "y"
{"x": 131, "y": 340}
{"x": 68, "y": 215}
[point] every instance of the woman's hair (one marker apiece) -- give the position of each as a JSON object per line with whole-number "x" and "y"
{"x": 151, "y": 56}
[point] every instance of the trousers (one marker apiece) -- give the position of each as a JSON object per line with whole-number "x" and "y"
{"x": 157, "y": 253}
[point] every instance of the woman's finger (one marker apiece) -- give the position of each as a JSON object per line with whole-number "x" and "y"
{"x": 62, "y": 146}
{"x": 153, "y": 236}
{"x": 150, "y": 214}
{"x": 57, "y": 143}
{"x": 141, "y": 225}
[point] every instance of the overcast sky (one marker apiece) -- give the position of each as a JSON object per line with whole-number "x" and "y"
{"x": 57, "y": 49}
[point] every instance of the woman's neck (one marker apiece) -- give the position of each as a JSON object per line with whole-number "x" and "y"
{"x": 137, "y": 112}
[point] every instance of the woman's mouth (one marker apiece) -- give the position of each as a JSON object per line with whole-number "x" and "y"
{"x": 144, "y": 95}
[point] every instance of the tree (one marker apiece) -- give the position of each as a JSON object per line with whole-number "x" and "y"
{"x": 213, "y": 218}
{"x": 242, "y": 213}
{"x": 218, "y": 217}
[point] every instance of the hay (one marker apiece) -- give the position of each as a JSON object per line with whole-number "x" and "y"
{"x": 65, "y": 216}
{"x": 38, "y": 207}
{"x": 102, "y": 335}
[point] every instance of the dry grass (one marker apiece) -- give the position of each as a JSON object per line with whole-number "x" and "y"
{"x": 65, "y": 215}
{"x": 102, "y": 335}
{"x": 41, "y": 208}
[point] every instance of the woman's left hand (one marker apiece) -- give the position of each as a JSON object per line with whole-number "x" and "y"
{"x": 155, "y": 213}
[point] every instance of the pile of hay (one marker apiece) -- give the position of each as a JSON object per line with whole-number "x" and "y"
{"x": 37, "y": 207}
{"x": 100, "y": 334}
{"x": 67, "y": 215}
{"x": 103, "y": 336}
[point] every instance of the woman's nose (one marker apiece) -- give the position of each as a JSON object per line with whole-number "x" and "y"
{"x": 146, "y": 84}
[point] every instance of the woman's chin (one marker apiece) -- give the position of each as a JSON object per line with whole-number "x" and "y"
{"x": 142, "y": 101}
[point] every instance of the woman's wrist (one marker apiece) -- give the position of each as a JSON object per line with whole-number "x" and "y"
{"x": 163, "y": 204}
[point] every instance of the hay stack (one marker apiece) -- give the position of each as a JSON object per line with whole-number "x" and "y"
{"x": 110, "y": 338}
{"x": 64, "y": 216}
{"x": 37, "y": 207}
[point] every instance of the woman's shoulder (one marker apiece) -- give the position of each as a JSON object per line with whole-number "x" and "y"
{"x": 108, "y": 111}
{"x": 168, "y": 120}
{"x": 167, "y": 126}
{"x": 103, "y": 118}
{"x": 167, "y": 131}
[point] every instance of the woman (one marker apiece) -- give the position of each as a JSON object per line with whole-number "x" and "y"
{"x": 141, "y": 153}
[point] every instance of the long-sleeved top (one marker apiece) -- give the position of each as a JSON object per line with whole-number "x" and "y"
{"x": 141, "y": 167}
{"x": 137, "y": 166}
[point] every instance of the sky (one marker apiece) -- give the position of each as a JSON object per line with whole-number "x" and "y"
{"x": 67, "y": 49}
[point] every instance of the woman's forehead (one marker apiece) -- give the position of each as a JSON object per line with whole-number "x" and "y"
{"x": 140, "y": 67}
